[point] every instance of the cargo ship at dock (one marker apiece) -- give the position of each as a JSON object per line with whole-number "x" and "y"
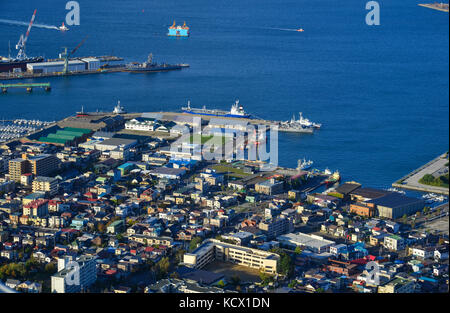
{"x": 151, "y": 66}
{"x": 236, "y": 111}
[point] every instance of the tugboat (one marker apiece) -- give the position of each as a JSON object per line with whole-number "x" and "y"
{"x": 150, "y": 66}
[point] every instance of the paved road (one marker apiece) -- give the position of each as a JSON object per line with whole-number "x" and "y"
{"x": 5, "y": 289}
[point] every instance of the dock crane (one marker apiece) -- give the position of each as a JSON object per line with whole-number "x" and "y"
{"x": 23, "y": 40}
{"x": 68, "y": 55}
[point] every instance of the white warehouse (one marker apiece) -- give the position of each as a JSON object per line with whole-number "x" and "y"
{"x": 58, "y": 66}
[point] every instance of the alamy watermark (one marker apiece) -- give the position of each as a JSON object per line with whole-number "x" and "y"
{"x": 73, "y": 16}
{"x": 73, "y": 275}
{"x": 373, "y": 273}
{"x": 373, "y": 17}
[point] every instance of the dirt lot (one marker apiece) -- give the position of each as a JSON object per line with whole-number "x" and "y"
{"x": 228, "y": 269}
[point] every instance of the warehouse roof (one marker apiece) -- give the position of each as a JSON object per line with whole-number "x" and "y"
{"x": 395, "y": 200}
{"x": 370, "y": 193}
{"x": 301, "y": 239}
{"x": 117, "y": 142}
{"x": 347, "y": 188}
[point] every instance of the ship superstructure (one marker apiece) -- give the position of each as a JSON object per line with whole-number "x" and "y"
{"x": 151, "y": 66}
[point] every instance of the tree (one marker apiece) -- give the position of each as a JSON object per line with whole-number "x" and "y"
{"x": 298, "y": 250}
{"x": 162, "y": 267}
{"x": 221, "y": 284}
{"x": 50, "y": 268}
{"x": 404, "y": 218}
{"x": 101, "y": 228}
{"x": 235, "y": 280}
{"x": 194, "y": 243}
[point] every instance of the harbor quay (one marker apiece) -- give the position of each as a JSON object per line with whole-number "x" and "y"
{"x": 436, "y": 6}
{"x": 436, "y": 167}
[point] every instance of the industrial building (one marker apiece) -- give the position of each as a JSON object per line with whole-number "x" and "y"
{"x": 67, "y": 136}
{"x": 395, "y": 205}
{"x": 213, "y": 249}
{"x": 80, "y": 65}
{"x": 313, "y": 243}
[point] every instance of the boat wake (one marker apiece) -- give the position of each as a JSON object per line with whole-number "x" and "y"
{"x": 283, "y": 29}
{"x": 12, "y": 22}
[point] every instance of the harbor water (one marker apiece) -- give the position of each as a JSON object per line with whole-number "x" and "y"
{"x": 380, "y": 92}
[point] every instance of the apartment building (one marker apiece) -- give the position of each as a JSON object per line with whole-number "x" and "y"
{"x": 17, "y": 167}
{"x": 45, "y": 184}
{"x": 276, "y": 226}
{"x": 394, "y": 243}
{"x": 36, "y": 208}
{"x": 43, "y": 164}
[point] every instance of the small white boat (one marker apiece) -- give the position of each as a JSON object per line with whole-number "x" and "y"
{"x": 63, "y": 28}
{"x": 304, "y": 165}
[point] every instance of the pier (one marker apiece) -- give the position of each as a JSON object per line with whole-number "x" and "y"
{"x": 29, "y": 87}
{"x": 436, "y": 6}
{"x": 437, "y": 166}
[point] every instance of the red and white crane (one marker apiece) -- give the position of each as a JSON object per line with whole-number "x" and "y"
{"x": 23, "y": 40}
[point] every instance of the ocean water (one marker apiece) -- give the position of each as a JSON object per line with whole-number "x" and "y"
{"x": 381, "y": 92}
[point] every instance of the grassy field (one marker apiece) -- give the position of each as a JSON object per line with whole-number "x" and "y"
{"x": 210, "y": 139}
{"x": 230, "y": 170}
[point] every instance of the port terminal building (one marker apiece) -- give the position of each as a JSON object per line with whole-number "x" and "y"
{"x": 213, "y": 249}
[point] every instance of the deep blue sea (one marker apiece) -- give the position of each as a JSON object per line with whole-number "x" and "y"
{"x": 381, "y": 92}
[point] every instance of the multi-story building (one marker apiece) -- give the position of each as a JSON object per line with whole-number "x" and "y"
{"x": 17, "y": 167}
{"x": 151, "y": 240}
{"x": 213, "y": 249}
{"x": 269, "y": 187}
{"x": 70, "y": 279}
{"x": 45, "y": 184}
{"x": 394, "y": 242}
{"x": 397, "y": 285}
{"x": 363, "y": 209}
{"x": 36, "y": 208}
{"x": 276, "y": 226}
{"x": 43, "y": 164}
